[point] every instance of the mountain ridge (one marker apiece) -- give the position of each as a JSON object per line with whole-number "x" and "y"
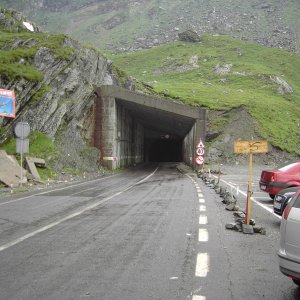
{"x": 134, "y": 25}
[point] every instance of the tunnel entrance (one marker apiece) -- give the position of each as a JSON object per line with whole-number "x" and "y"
{"x": 163, "y": 150}
{"x": 134, "y": 127}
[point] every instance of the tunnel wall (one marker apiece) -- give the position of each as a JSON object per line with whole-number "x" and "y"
{"x": 129, "y": 138}
{"x": 118, "y": 135}
{"x": 188, "y": 147}
{"x": 191, "y": 140}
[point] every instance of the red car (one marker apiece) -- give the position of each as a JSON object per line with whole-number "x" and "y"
{"x": 274, "y": 181}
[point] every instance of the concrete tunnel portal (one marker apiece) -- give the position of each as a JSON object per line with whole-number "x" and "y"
{"x": 132, "y": 128}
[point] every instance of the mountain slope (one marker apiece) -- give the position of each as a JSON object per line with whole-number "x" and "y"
{"x": 138, "y": 24}
{"x": 221, "y": 73}
{"x": 54, "y": 79}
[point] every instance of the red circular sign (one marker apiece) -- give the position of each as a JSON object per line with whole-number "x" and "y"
{"x": 200, "y": 151}
{"x": 199, "y": 160}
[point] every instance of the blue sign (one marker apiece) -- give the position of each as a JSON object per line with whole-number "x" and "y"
{"x": 7, "y": 103}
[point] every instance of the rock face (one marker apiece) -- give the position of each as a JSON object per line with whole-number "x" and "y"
{"x": 60, "y": 104}
{"x": 189, "y": 36}
{"x": 283, "y": 87}
{"x": 17, "y": 22}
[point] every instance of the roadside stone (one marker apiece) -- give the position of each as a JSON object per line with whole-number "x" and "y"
{"x": 259, "y": 229}
{"x": 237, "y": 208}
{"x": 230, "y": 206}
{"x": 239, "y": 227}
{"x": 222, "y": 191}
{"x": 228, "y": 198}
{"x": 240, "y": 221}
{"x": 239, "y": 214}
{"x": 247, "y": 229}
{"x": 231, "y": 226}
{"x": 252, "y": 222}
{"x": 217, "y": 189}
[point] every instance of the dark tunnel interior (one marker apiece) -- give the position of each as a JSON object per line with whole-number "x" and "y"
{"x": 163, "y": 150}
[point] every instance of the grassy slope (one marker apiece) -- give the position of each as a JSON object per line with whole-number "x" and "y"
{"x": 10, "y": 66}
{"x": 277, "y": 116}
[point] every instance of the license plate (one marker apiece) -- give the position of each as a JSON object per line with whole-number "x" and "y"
{"x": 263, "y": 187}
{"x": 277, "y": 205}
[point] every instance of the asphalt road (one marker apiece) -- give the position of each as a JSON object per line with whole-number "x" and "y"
{"x": 146, "y": 233}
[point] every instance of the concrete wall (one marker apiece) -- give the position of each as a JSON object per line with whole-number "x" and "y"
{"x": 118, "y": 135}
{"x": 188, "y": 147}
{"x": 191, "y": 140}
{"x": 129, "y": 138}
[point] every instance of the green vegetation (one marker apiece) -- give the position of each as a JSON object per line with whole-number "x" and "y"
{"x": 16, "y": 62}
{"x": 39, "y": 146}
{"x": 40, "y": 93}
{"x": 168, "y": 70}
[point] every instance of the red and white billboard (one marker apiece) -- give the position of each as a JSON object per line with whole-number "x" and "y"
{"x": 7, "y": 103}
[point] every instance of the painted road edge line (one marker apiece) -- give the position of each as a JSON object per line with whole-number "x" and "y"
{"x": 51, "y": 225}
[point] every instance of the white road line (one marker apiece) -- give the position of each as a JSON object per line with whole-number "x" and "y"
{"x": 202, "y": 266}
{"x": 203, "y": 235}
{"x": 42, "y": 229}
{"x": 195, "y": 297}
{"x": 200, "y": 195}
{"x": 201, "y": 200}
{"x": 202, "y": 208}
{"x": 254, "y": 200}
{"x": 58, "y": 189}
{"x": 203, "y": 220}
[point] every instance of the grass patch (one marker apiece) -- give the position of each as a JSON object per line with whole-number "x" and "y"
{"x": 16, "y": 62}
{"x": 40, "y": 93}
{"x": 39, "y": 146}
{"x": 248, "y": 82}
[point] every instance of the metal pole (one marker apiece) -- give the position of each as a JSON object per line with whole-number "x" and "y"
{"x": 21, "y": 141}
{"x": 249, "y": 193}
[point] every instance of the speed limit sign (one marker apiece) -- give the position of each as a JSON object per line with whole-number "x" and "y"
{"x": 199, "y": 160}
{"x": 200, "y": 151}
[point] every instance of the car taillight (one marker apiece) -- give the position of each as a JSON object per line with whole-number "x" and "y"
{"x": 287, "y": 212}
{"x": 273, "y": 178}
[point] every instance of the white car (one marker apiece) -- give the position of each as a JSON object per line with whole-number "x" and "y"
{"x": 289, "y": 250}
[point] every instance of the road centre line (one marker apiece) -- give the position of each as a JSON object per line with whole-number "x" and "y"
{"x": 71, "y": 216}
{"x": 203, "y": 235}
{"x": 202, "y": 266}
{"x": 253, "y": 200}
{"x": 202, "y": 220}
{"x": 202, "y": 208}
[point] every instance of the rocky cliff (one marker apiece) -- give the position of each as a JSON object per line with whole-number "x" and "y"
{"x": 53, "y": 77}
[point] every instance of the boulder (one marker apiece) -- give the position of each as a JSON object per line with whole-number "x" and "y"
{"x": 283, "y": 86}
{"x": 189, "y": 36}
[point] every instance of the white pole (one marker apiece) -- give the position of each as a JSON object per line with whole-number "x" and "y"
{"x": 21, "y": 161}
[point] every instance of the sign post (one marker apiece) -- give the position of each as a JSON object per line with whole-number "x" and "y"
{"x": 250, "y": 147}
{"x": 22, "y": 131}
{"x": 200, "y": 152}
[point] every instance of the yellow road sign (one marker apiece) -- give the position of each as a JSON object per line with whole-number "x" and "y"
{"x": 250, "y": 147}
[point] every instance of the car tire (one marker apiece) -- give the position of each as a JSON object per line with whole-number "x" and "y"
{"x": 272, "y": 196}
{"x": 297, "y": 282}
